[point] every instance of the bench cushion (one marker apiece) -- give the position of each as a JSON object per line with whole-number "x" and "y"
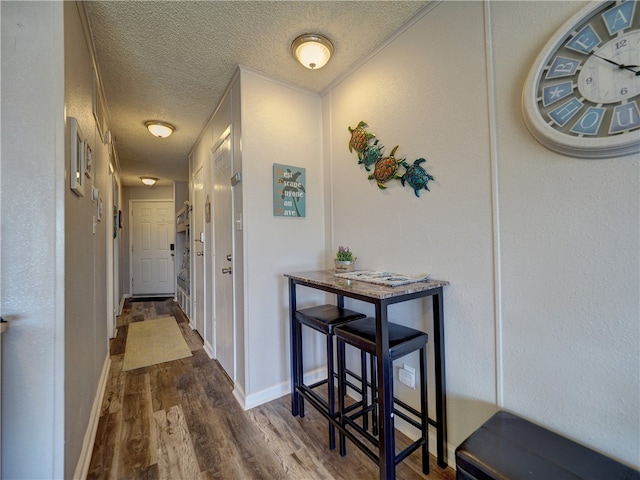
{"x": 324, "y": 317}
{"x": 509, "y": 447}
{"x": 362, "y": 334}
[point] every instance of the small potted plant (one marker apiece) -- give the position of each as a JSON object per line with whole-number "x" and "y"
{"x": 345, "y": 261}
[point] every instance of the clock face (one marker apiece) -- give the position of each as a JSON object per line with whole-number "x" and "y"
{"x": 582, "y": 96}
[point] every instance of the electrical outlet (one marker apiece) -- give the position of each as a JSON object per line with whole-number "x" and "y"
{"x": 409, "y": 369}
{"x": 407, "y": 377}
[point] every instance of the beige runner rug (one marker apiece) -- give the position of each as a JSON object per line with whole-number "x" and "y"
{"x": 154, "y": 341}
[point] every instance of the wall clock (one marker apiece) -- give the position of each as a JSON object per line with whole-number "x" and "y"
{"x": 582, "y": 94}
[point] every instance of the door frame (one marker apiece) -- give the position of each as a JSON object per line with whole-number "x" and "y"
{"x": 131, "y": 233}
{"x": 197, "y": 220}
{"x": 112, "y": 253}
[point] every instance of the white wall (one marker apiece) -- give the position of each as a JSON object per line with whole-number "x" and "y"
{"x": 86, "y": 339}
{"x": 279, "y": 125}
{"x": 410, "y": 97}
{"x": 541, "y": 249}
{"x": 271, "y": 123}
{"x": 54, "y": 268}
{"x": 570, "y": 272}
{"x": 32, "y": 238}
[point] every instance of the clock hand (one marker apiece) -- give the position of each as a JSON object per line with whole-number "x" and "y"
{"x": 619, "y": 65}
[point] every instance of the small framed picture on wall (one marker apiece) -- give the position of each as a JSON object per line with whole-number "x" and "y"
{"x": 289, "y": 192}
{"x": 88, "y": 164}
{"x": 99, "y": 209}
{"x": 76, "y": 158}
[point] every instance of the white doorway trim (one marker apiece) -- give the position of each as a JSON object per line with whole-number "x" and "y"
{"x": 132, "y": 202}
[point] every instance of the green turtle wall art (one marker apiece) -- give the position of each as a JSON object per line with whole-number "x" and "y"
{"x": 359, "y": 138}
{"x": 416, "y": 176}
{"x": 386, "y": 167}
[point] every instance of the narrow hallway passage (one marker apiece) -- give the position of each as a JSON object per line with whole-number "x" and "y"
{"x": 179, "y": 420}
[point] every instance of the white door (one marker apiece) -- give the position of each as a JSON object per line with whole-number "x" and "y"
{"x": 223, "y": 275}
{"x": 153, "y": 231}
{"x": 197, "y": 256}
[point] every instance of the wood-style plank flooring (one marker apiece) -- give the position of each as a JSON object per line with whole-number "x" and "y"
{"x": 179, "y": 420}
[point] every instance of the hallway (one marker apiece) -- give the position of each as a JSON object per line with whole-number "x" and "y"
{"x": 179, "y": 420}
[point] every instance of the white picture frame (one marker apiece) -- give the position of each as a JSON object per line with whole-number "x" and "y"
{"x": 76, "y": 158}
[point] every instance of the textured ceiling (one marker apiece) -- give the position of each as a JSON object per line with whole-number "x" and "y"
{"x": 172, "y": 60}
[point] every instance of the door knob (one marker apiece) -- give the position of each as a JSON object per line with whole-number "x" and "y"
{"x": 226, "y": 270}
{"x": 199, "y": 254}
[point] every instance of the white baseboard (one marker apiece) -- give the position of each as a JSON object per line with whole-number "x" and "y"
{"x": 281, "y": 389}
{"x": 284, "y": 388}
{"x": 82, "y": 467}
{"x": 238, "y": 393}
{"x": 208, "y": 349}
{"x": 265, "y": 396}
{"x": 122, "y": 300}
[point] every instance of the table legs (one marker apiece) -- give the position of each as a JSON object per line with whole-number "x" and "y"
{"x": 293, "y": 348}
{"x": 387, "y": 453}
{"x": 441, "y": 399}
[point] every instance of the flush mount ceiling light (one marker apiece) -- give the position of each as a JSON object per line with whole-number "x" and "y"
{"x": 149, "y": 180}
{"x": 312, "y": 50}
{"x": 159, "y": 129}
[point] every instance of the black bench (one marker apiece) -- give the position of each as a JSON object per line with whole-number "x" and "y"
{"x": 509, "y": 447}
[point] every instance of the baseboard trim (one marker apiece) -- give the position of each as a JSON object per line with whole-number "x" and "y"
{"x": 238, "y": 393}
{"x": 265, "y": 396}
{"x": 82, "y": 467}
{"x": 208, "y": 349}
{"x": 280, "y": 390}
{"x": 284, "y": 388}
{"x": 122, "y": 300}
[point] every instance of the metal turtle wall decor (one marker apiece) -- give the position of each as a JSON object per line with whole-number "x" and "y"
{"x": 386, "y": 167}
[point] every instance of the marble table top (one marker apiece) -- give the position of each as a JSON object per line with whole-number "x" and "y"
{"x": 326, "y": 278}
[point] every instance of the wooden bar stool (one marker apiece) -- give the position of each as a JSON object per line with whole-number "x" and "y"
{"x": 403, "y": 340}
{"x": 323, "y": 319}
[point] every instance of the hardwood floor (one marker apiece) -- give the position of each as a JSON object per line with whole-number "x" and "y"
{"x": 179, "y": 420}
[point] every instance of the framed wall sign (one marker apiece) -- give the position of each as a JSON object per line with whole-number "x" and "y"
{"x": 289, "y": 194}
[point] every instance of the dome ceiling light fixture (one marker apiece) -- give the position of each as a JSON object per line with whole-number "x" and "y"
{"x": 313, "y": 50}
{"x": 149, "y": 180}
{"x": 159, "y": 129}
